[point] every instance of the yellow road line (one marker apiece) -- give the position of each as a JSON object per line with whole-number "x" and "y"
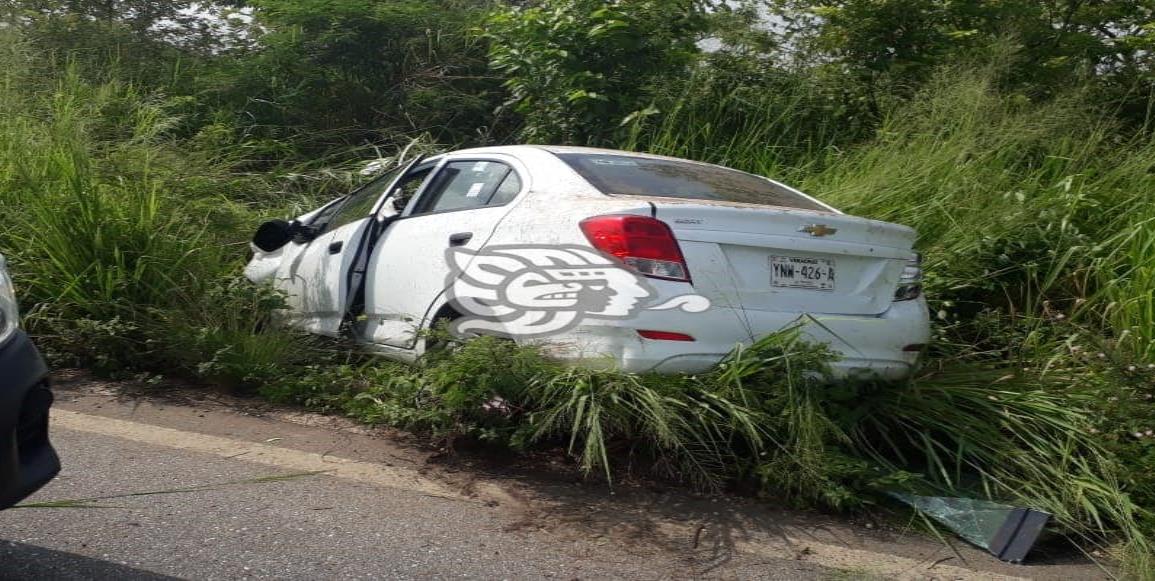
{"x": 287, "y": 458}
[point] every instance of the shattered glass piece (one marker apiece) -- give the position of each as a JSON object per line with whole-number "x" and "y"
{"x": 1008, "y": 532}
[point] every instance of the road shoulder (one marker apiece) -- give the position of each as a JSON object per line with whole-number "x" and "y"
{"x": 701, "y": 534}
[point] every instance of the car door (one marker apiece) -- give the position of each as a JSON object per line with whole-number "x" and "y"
{"x": 315, "y": 275}
{"x": 460, "y": 205}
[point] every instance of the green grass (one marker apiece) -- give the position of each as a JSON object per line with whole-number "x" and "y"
{"x": 124, "y": 245}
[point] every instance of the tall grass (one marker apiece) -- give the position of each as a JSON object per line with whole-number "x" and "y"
{"x": 982, "y": 432}
{"x": 1003, "y": 192}
{"x": 113, "y": 229}
{"x": 1125, "y": 282}
{"x": 778, "y": 128}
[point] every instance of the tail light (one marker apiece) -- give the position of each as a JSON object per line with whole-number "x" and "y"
{"x": 910, "y": 283}
{"x": 664, "y": 335}
{"x": 647, "y": 244}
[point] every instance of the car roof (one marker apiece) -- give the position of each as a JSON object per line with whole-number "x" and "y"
{"x": 559, "y": 149}
{"x": 513, "y": 150}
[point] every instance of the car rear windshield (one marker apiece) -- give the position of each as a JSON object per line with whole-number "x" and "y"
{"x": 625, "y": 175}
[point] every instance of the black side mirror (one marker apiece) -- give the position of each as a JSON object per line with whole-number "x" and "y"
{"x": 272, "y": 235}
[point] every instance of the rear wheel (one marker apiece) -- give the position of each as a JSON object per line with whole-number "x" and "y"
{"x": 439, "y": 340}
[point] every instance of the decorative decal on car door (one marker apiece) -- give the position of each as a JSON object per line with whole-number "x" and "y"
{"x": 532, "y": 291}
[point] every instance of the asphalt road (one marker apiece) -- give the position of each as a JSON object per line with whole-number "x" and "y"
{"x": 156, "y": 489}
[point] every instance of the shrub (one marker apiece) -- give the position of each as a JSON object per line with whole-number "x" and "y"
{"x": 576, "y": 69}
{"x": 120, "y": 264}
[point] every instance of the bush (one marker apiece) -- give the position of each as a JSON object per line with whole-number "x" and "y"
{"x": 577, "y": 69}
{"x": 119, "y": 262}
{"x": 330, "y": 76}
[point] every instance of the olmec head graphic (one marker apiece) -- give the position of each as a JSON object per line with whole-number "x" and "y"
{"x": 534, "y": 291}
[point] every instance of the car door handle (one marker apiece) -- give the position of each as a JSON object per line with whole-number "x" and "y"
{"x": 335, "y": 247}
{"x": 460, "y": 238}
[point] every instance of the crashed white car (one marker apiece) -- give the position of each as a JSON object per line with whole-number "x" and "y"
{"x": 643, "y": 262}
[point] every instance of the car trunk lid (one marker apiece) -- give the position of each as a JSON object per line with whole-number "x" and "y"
{"x": 782, "y": 259}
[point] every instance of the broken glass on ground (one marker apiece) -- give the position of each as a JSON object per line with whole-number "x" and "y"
{"x": 1008, "y": 532}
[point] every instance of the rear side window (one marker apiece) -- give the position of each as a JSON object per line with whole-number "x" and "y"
{"x": 624, "y": 175}
{"x": 462, "y": 185}
{"x": 507, "y": 191}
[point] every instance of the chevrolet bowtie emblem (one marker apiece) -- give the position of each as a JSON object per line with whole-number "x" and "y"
{"x": 818, "y": 229}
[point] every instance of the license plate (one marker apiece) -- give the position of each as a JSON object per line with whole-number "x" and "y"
{"x": 797, "y": 272}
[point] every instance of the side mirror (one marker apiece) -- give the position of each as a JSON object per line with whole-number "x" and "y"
{"x": 272, "y": 235}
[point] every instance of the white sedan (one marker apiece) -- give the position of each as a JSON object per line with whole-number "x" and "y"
{"x": 643, "y": 262}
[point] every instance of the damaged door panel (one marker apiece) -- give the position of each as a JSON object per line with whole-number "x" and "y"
{"x": 316, "y": 269}
{"x": 460, "y": 207}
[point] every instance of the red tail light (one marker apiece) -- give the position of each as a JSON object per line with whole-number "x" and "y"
{"x": 664, "y": 335}
{"x": 645, "y": 243}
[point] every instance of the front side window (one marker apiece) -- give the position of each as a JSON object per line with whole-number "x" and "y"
{"x": 358, "y": 204}
{"x": 462, "y": 185}
{"x": 627, "y": 175}
{"x": 410, "y": 185}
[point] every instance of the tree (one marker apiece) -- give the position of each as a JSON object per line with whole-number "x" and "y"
{"x": 901, "y": 41}
{"x": 359, "y": 71}
{"x": 577, "y": 69}
{"x": 190, "y": 25}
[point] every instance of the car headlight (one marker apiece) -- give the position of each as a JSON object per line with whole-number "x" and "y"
{"x": 910, "y": 283}
{"x": 9, "y": 311}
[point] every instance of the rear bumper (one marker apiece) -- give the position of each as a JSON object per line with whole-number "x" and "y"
{"x": 27, "y": 459}
{"x": 868, "y": 345}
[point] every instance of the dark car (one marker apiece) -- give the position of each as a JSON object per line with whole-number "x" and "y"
{"x": 27, "y": 460}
